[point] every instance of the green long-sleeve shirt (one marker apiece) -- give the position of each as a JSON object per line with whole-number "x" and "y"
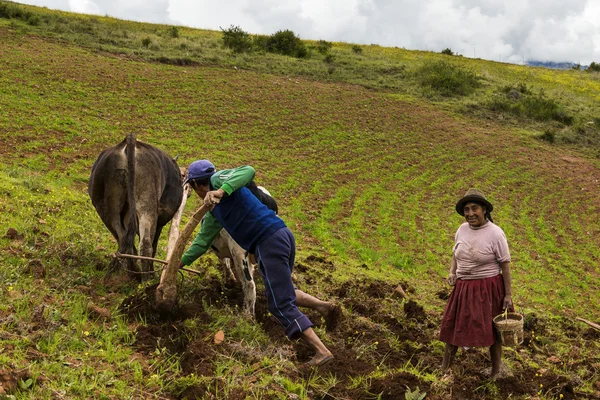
{"x": 229, "y": 180}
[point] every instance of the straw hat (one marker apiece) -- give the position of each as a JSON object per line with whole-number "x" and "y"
{"x": 474, "y": 196}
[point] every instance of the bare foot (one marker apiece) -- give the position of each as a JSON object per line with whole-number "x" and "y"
{"x": 503, "y": 372}
{"x": 320, "y": 359}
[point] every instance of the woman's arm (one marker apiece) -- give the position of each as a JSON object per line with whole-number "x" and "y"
{"x": 505, "y": 266}
{"x": 452, "y": 273}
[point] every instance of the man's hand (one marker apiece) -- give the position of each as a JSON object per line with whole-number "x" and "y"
{"x": 214, "y": 197}
{"x": 181, "y": 265}
{"x": 451, "y": 279}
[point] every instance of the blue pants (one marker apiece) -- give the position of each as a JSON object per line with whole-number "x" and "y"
{"x": 275, "y": 256}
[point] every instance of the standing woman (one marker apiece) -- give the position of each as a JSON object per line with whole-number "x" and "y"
{"x": 480, "y": 274}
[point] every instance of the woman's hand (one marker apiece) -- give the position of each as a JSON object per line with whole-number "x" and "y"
{"x": 451, "y": 279}
{"x": 507, "y": 303}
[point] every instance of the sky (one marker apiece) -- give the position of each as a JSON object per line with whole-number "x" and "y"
{"x": 511, "y": 31}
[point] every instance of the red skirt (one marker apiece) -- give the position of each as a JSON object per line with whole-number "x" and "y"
{"x": 472, "y": 306}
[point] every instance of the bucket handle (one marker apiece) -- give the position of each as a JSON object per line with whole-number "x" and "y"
{"x": 505, "y": 312}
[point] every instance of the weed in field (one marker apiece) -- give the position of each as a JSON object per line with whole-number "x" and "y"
{"x": 414, "y": 394}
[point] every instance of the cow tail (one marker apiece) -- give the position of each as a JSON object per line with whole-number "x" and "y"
{"x": 132, "y": 225}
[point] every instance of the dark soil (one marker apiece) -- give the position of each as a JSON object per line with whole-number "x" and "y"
{"x": 369, "y": 336}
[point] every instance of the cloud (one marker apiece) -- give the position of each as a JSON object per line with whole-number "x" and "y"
{"x": 511, "y": 30}
{"x": 84, "y": 6}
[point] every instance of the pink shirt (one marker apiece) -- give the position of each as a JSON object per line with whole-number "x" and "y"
{"x": 479, "y": 251}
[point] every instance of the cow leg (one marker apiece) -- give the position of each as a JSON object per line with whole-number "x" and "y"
{"x": 221, "y": 248}
{"x": 147, "y": 228}
{"x": 227, "y": 271}
{"x": 155, "y": 242}
{"x": 241, "y": 262}
{"x": 115, "y": 227}
{"x": 116, "y": 224}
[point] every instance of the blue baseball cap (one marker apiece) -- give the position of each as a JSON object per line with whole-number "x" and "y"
{"x": 200, "y": 169}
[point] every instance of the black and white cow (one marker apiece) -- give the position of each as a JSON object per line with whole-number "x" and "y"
{"x": 136, "y": 189}
{"x": 243, "y": 263}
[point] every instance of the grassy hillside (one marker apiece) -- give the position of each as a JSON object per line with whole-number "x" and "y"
{"x": 366, "y": 161}
{"x": 558, "y": 106}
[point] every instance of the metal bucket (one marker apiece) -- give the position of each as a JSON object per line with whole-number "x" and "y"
{"x": 510, "y": 328}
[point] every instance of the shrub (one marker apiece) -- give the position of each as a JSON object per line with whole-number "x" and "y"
{"x": 447, "y": 79}
{"x": 519, "y": 87}
{"x": 329, "y": 58}
{"x": 13, "y": 11}
{"x": 174, "y": 32}
{"x": 323, "y": 46}
{"x": 594, "y": 67}
{"x": 447, "y": 51}
{"x": 146, "y": 42}
{"x": 81, "y": 26}
{"x": 34, "y": 20}
{"x": 536, "y": 106}
{"x": 259, "y": 42}
{"x": 8, "y": 10}
{"x": 236, "y": 39}
{"x": 357, "y": 49}
{"x": 548, "y": 136}
{"x": 286, "y": 43}
{"x": 392, "y": 70}
{"x": 542, "y": 108}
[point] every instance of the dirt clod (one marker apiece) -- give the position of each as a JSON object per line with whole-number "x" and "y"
{"x": 99, "y": 312}
{"x": 13, "y": 234}
{"x": 414, "y": 310}
{"x": 9, "y": 380}
{"x": 36, "y": 268}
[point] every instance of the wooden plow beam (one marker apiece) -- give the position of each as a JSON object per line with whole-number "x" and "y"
{"x": 166, "y": 292}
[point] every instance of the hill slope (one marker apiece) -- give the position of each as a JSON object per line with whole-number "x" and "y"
{"x": 366, "y": 179}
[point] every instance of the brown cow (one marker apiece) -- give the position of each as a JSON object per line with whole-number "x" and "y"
{"x": 136, "y": 189}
